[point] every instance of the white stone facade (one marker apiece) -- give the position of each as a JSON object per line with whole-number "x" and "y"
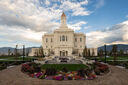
{"x": 93, "y": 51}
{"x": 63, "y": 41}
{"x": 34, "y": 52}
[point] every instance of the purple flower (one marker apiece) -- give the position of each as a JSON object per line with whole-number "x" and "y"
{"x": 49, "y": 77}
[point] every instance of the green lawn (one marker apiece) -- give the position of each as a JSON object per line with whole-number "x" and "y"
{"x": 10, "y": 58}
{"x": 119, "y": 58}
{"x": 70, "y": 67}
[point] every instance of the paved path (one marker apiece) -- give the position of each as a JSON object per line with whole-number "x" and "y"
{"x": 13, "y": 76}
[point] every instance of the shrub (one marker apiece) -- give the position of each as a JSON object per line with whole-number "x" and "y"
{"x": 65, "y": 69}
{"x": 50, "y": 71}
{"x": 30, "y": 67}
{"x": 97, "y": 71}
{"x": 101, "y": 67}
{"x": 81, "y": 73}
{"x": 3, "y": 66}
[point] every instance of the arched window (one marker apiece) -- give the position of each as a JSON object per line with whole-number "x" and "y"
{"x": 63, "y": 38}
{"x": 66, "y": 38}
{"x": 75, "y": 39}
{"x": 66, "y": 53}
{"x": 46, "y": 39}
{"x": 51, "y": 39}
{"x": 80, "y": 39}
{"x": 60, "y": 38}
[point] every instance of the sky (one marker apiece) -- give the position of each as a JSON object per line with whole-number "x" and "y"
{"x": 24, "y": 22}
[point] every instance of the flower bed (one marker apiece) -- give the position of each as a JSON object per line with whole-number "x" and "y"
{"x": 100, "y": 68}
{"x": 35, "y": 71}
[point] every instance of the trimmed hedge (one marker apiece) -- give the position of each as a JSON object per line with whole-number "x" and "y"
{"x": 69, "y": 67}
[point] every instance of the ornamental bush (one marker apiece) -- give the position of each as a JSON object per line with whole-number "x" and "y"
{"x": 3, "y": 66}
{"x": 50, "y": 71}
{"x": 30, "y": 68}
{"x": 100, "y": 67}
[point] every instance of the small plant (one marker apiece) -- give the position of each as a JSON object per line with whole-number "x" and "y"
{"x": 3, "y": 66}
{"x": 97, "y": 71}
{"x": 50, "y": 71}
{"x": 81, "y": 73}
{"x": 30, "y": 67}
{"x": 65, "y": 69}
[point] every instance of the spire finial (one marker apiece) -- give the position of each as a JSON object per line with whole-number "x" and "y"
{"x": 63, "y": 14}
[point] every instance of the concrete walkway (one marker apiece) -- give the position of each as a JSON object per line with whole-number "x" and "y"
{"x": 13, "y": 76}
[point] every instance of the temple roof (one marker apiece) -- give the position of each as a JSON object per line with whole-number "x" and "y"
{"x": 63, "y": 15}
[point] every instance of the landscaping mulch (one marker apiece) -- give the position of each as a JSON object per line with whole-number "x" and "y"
{"x": 14, "y": 76}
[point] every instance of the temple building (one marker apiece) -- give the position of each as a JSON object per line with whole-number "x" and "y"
{"x": 63, "y": 41}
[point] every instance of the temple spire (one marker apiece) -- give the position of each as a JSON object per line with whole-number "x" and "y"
{"x": 63, "y": 20}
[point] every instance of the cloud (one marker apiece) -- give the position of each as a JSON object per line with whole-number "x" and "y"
{"x": 28, "y": 14}
{"x": 76, "y": 7}
{"x": 28, "y": 20}
{"x": 99, "y": 3}
{"x": 18, "y": 34}
{"x": 117, "y": 34}
{"x": 77, "y": 26}
{"x": 126, "y": 16}
{"x": 47, "y": 2}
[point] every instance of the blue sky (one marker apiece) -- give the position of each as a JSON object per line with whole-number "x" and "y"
{"x": 25, "y": 21}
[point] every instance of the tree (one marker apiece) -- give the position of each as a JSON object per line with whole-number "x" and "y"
{"x": 9, "y": 52}
{"x": 89, "y": 54}
{"x": 16, "y": 51}
{"x": 100, "y": 53}
{"x": 85, "y": 52}
{"x": 93, "y": 53}
{"x": 121, "y": 52}
{"x": 114, "y": 52}
{"x": 27, "y": 52}
{"x": 41, "y": 52}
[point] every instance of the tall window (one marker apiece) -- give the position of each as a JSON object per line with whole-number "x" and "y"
{"x": 51, "y": 39}
{"x": 46, "y": 39}
{"x": 66, "y": 38}
{"x": 75, "y": 39}
{"x": 80, "y": 39}
{"x": 63, "y": 38}
{"x": 60, "y": 38}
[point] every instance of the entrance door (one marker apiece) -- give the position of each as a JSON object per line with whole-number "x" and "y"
{"x": 63, "y": 53}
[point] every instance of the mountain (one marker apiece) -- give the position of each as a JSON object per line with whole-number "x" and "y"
{"x": 4, "y": 50}
{"x": 123, "y": 47}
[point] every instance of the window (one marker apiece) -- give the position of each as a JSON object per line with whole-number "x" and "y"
{"x": 51, "y": 39}
{"x": 46, "y": 39}
{"x": 66, "y": 38}
{"x": 80, "y": 39}
{"x": 60, "y": 38}
{"x": 75, "y": 39}
{"x": 63, "y": 38}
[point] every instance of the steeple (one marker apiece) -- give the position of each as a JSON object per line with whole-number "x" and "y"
{"x": 63, "y": 20}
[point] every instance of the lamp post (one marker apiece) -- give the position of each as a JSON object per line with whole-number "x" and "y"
{"x": 105, "y": 52}
{"x": 23, "y": 52}
{"x": 16, "y": 52}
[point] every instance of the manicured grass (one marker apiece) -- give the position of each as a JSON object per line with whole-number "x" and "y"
{"x": 70, "y": 67}
{"x": 10, "y": 58}
{"x": 125, "y": 58}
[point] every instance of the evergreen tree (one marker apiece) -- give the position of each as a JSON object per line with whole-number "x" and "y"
{"x": 84, "y": 52}
{"x": 114, "y": 52}
{"x": 9, "y": 52}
